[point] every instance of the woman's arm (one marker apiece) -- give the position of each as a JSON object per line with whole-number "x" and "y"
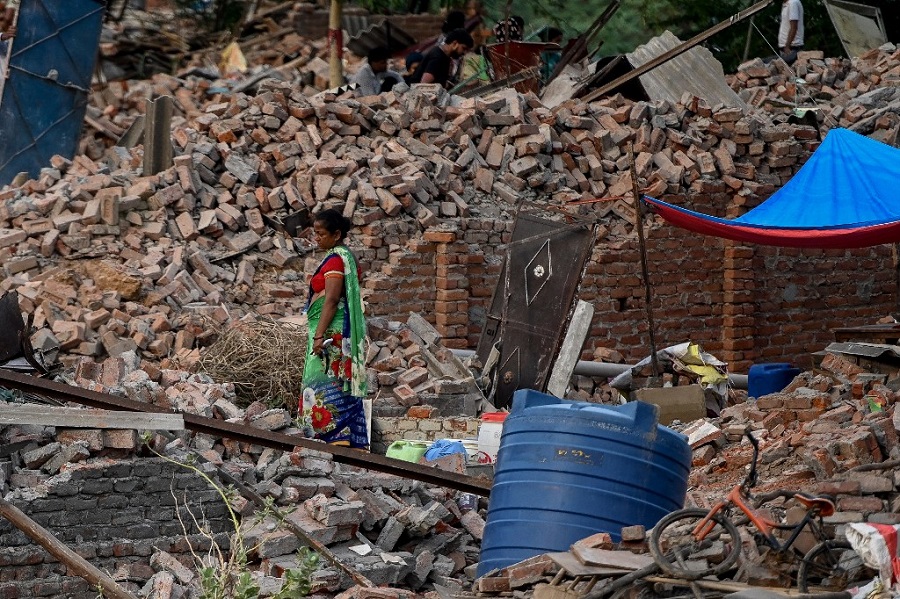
{"x": 334, "y": 290}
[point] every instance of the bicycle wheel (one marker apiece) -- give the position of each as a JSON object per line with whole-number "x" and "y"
{"x": 679, "y": 553}
{"x": 834, "y": 566}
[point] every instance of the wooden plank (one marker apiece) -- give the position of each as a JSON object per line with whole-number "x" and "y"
{"x": 573, "y": 567}
{"x": 570, "y": 353}
{"x": 88, "y": 418}
{"x": 611, "y": 559}
{"x": 549, "y": 591}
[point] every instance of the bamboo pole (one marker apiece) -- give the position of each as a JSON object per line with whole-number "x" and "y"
{"x": 77, "y": 564}
{"x": 335, "y": 44}
{"x": 645, "y": 271}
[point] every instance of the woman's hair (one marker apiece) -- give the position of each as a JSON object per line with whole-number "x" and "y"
{"x": 334, "y": 221}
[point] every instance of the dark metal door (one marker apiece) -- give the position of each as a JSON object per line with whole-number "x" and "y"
{"x": 45, "y": 97}
{"x": 546, "y": 261}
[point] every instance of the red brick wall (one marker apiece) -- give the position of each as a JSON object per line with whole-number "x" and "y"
{"x": 744, "y": 304}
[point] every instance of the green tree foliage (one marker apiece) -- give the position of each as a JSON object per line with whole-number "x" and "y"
{"x": 637, "y": 21}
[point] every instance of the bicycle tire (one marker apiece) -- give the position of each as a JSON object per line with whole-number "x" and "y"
{"x": 829, "y": 566}
{"x": 676, "y": 552}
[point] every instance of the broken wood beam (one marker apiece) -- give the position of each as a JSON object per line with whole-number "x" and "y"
{"x": 74, "y": 562}
{"x": 88, "y": 418}
{"x": 579, "y": 327}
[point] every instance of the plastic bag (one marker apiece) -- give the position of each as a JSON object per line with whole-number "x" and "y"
{"x": 233, "y": 61}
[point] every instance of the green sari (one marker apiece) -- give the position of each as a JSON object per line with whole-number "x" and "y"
{"x": 334, "y": 382}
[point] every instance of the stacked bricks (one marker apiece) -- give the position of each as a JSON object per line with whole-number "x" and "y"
{"x": 452, "y": 293}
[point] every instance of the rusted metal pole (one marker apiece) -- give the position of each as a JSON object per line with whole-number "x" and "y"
{"x": 645, "y": 271}
{"x": 249, "y": 434}
{"x": 74, "y": 562}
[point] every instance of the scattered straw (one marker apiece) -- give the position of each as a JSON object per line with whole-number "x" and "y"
{"x": 263, "y": 359}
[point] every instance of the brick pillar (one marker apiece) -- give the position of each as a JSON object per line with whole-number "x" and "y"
{"x": 738, "y": 307}
{"x": 452, "y": 289}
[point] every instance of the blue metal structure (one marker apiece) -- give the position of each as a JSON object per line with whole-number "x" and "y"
{"x": 45, "y": 96}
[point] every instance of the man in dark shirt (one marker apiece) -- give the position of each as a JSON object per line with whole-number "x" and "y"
{"x": 435, "y": 65}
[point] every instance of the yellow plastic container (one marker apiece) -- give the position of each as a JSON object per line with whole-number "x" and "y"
{"x": 407, "y": 450}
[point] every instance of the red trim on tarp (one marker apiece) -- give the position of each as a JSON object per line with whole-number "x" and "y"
{"x": 824, "y": 238}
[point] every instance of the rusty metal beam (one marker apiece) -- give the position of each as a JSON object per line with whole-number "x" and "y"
{"x": 248, "y": 434}
{"x": 666, "y": 56}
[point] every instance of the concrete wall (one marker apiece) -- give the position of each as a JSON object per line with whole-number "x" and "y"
{"x": 386, "y": 430}
{"x": 116, "y": 515}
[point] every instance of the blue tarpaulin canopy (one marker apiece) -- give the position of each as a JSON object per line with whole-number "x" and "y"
{"x": 846, "y": 195}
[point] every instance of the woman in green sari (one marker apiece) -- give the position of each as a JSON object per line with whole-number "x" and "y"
{"x": 334, "y": 376}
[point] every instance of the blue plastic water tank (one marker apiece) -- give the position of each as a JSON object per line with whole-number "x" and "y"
{"x": 769, "y": 378}
{"x": 567, "y": 470}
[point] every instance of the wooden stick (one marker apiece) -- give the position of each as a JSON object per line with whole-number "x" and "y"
{"x": 57, "y": 549}
{"x": 645, "y": 271}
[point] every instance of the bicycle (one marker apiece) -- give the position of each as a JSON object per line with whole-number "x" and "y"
{"x": 693, "y": 543}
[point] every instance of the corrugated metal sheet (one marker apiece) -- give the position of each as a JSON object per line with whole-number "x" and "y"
{"x": 860, "y": 27}
{"x": 367, "y": 33}
{"x": 696, "y": 71}
{"x": 45, "y": 96}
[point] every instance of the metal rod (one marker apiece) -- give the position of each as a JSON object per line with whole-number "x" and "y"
{"x": 249, "y": 434}
{"x": 609, "y": 370}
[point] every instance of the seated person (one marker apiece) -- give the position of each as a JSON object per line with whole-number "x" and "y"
{"x": 412, "y": 63}
{"x": 374, "y": 77}
{"x": 437, "y": 63}
{"x": 551, "y": 56}
{"x": 474, "y": 70}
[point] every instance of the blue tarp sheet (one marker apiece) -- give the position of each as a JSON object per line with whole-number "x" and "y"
{"x": 846, "y": 195}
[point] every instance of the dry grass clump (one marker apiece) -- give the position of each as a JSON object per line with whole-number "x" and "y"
{"x": 263, "y": 359}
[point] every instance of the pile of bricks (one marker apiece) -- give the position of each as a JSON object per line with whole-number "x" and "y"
{"x": 857, "y": 93}
{"x": 112, "y": 260}
{"x": 413, "y": 534}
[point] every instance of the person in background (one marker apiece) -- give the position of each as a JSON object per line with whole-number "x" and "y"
{"x": 790, "y": 32}
{"x": 413, "y": 60}
{"x": 437, "y": 62}
{"x": 455, "y": 20}
{"x": 334, "y": 375}
{"x": 474, "y": 70}
{"x": 551, "y": 56}
{"x": 374, "y": 77}
{"x": 511, "y": 29}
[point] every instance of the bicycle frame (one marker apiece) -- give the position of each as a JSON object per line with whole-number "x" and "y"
{"x": 765, "y": 526}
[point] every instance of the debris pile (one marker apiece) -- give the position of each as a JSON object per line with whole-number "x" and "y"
{"x": 112, "y": 260}
{"x": 833, "y": 431}
{"x": 391, "y": 530}
{"x": 858, "y": 93}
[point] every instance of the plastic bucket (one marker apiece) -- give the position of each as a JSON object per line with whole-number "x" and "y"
{"x": 489, "y": 436}
{"x": 769, "y": 378}
{"x": 407, "y": 450}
